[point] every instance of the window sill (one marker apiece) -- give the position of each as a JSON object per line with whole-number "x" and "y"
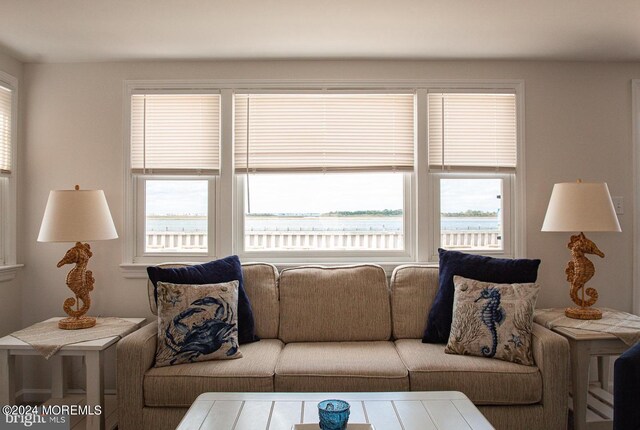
{"x": 9, "y": 272}
{"x": 139, "y": 271}
{"x": 134, "y": 271}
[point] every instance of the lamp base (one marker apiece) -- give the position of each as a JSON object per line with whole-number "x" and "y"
{"x": 80, "y": 281}
{"x": 75, "y": 323}
{"x": 583, "y": 313}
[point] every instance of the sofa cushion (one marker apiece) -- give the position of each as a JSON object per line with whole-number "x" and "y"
{"x": 178, "y": 386}
{"x": 223, "y": 270}
{"x": 260, "y": 284}
{"x": 479, "y": 267}
{"x": 334, "y": 304}
{"x": 341, "y": 366}
{"x": 413, "y": 288}
{"x": 484, "y": 380}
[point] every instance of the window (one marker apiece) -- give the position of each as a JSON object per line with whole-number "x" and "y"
{"x": 471, "y": 214}
{"x": 472, "y": 153}
{"x": 323, "y": 172}
{"x": 176, "y": 215}
{"x": 8, "y": 111}
{"x": 382, "y": 172}
{"x": 324, "y": 212}
{"x": 175, "y": 140}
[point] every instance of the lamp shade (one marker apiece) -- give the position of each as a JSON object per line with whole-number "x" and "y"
{"x": 580, "y": 207}
{"x": 76, "y": 216}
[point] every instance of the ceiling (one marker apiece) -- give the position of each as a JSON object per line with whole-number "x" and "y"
{"x": 107, "y": 30}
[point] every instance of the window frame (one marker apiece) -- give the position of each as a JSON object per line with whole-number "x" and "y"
{"x": 422, "y": 227}
{"x": 340, "y": 256}
{"x": 514, "y": 239}
{"x": 8, "y": 194}
{"x": 134, "y": 254}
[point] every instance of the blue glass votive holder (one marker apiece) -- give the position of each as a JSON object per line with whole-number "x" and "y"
{"x": 333, "y": 414}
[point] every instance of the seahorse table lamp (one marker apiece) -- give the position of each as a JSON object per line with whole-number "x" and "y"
{"x": 579, "y": 207}
{"x": 77, "y": 216}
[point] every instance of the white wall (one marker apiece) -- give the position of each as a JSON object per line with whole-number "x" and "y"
{"x": 578, "y": 125}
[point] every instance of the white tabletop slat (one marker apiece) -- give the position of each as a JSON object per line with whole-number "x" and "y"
{"x": 414, "y": 416}
{"x": 382, "y": 415}
{"x": 223, "y": 414}
{"x": 285, "y": 415}
{"x": 310, "y": 412}
{"x": 255, "y": 414}
{"x": 446, "y": 415}
{"x": 471, "y": 414}
{"x": 356, "y": 414}
{"x": 197, "y": 413}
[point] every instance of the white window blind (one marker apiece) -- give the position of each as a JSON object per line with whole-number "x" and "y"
{"x": 324, "y": 132}
{"x": 472, "y": 131}
{"x": 175, "y": 133}
{"x": 6, "y": 107}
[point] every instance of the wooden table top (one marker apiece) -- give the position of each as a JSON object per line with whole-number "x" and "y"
{"x": 417, "y": 410}
{"x": 15, "y": 344}
{"x": 582, "y": 334}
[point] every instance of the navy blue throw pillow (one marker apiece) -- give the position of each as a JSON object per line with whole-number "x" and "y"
{"x": 478, "y": 267}
{"x": 224, "y": 270}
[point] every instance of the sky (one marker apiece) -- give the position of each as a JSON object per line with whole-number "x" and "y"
{"x": 459, "y": 195}
{"x": 176, "y": 197}
{"x": 319, "y": 193}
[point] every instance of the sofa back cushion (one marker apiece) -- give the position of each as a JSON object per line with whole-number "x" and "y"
{"x": 413, "y": 289}
{"x": 261, "y": 285}
{"x": 334, "y": 304}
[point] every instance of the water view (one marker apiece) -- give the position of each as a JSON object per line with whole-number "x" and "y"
{"x": 305, "y": 223}
{"x": 323, "y": 212}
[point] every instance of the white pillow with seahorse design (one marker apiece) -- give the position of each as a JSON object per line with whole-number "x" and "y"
{"x": 493, "y": 320}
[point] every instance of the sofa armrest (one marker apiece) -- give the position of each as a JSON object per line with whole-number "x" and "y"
{"x": 551, "y": 354}
{"x": 135, "y": 355}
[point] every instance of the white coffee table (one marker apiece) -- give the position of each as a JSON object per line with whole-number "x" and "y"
{"x": 418, "y": 410}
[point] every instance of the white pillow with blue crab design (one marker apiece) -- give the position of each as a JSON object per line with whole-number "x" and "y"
{"x": 197, "y": 323}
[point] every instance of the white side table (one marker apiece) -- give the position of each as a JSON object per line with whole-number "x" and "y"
{"x": 92, "y": 351}
{"x": 592, "y": 407}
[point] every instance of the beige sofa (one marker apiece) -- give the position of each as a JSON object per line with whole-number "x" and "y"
{"x": 344, "y": 329}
